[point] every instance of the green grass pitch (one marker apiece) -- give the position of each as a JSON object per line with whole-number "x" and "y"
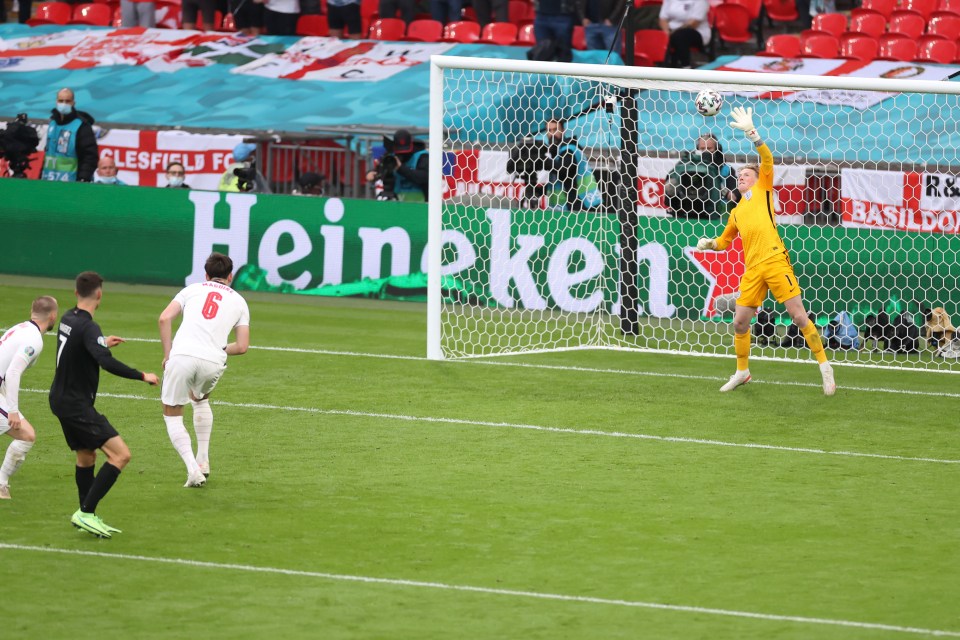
{"x": 360, "y": 491}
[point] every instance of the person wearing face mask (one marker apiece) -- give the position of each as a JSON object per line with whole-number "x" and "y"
{"x": 71, "y": 153}
{"x": 176, "y": 173}
{"x": 107, "y": 172}
{"x": 701, "y": 185}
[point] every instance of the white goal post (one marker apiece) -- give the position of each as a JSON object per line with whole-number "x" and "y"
{"x": 566, "y": 201}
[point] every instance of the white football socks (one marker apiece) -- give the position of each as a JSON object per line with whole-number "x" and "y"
{"x": 181, "y": 442}
{"x": 16, "y": 453}
{"x": 203, "y": 426}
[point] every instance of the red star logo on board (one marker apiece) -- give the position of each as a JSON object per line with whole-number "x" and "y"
{"x": 722, "y": 269}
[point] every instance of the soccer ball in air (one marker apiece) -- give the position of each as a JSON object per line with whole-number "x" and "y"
{"x": 708, "y": 102}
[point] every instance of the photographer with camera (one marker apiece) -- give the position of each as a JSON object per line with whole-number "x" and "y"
{"x": 572, "y": 185}
{"x": 403, "y": 169}
{"x": 701, "y": 185}
{"x": 72, "y": 152}
{"x": 243, "y": 175}
{"x": 17, "y": 143}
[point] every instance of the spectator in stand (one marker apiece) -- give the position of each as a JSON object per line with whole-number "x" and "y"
{"x": 24, "y": 9}
{"x": 72, "y": 152}
{"x": 280, "y": 17}
{"x": 553, "y": 25}
{"x": 407, "y": 9}
{"x": 176, "y": 173}
{"x": 247, "y": 16}
{"x": 206, "y": 8}
{"x": 107, "y": 172}
{"x": 686, "y": 23}
{"x": 601, "y": 24}
{"x": 491, "y": 11}
{"x": 344, "y": 13}
{"x": 446, "y": 10}
{"x": 138, "y": 13}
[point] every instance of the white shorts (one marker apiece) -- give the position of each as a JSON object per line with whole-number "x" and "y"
{"x": 186, "y": 375}
{"x": 4, "y": 423}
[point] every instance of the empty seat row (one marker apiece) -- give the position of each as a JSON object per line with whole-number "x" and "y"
{"x": 858, "y": 46}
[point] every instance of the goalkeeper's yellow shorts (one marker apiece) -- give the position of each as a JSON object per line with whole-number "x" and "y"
{"x": 774, "y": 275}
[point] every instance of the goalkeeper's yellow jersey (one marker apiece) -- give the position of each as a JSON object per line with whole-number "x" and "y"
{"x": 753, "y": 218}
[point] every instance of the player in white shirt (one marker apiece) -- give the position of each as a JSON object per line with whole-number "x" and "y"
{"x": 195, "y": 359}
{"x": 20, "y": 348}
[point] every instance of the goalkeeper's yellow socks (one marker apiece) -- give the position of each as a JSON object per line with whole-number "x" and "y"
{"x": 812, "y": 337}
{"x": 741, "y": 346}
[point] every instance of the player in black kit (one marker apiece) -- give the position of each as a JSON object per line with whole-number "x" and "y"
{"x": 81, "y": 351}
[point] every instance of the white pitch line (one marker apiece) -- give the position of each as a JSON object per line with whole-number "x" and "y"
{"x": 398, "y": 582}
{"x": 553, "y": 367}
{"x": 542, "y": 428}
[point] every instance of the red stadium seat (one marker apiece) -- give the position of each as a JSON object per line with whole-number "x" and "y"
{"x": 731, "y": 23}
{"x": 51, "y": 13}
{"x": 909, "y": 23}
{"x": 883, "y": 7}
{"x": 525, "y": 35}
{"x": 949, "y": 5}
{"x": 504, "y": 33}
{"x": 783, "y": 46}
{"x": 579, "y": 38}
{"x": 228, "y": 24}
{"x": 923, "y": 7}
{"x": 895, "y": 46}
{"x": 463, "y": 32}
{"x": 424, "y": 31}
{"x": 937, "y": 50}
{"x": 753, "y": 6}
{"x": 651, "y": 44}
{"x": 98, "y": 15}
{"x": 833, "y": 23}
{"x": 868, "y": 22}
{"x": 388, "y": 29}
{"x": 781, "y": 10}
{"x": 519, "y": 12}
{"x": 944, "y": 23}
{"x": 858, "y": 46}
{"x": 821, "y": 47}
{"x": 312, "y": 25}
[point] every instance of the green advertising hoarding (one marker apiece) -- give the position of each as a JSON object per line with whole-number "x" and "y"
{"x": 524, "y": 259}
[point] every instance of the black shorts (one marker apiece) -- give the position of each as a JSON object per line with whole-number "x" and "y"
{"x": 86, "y": 430}
{"x": 246, "y": 14}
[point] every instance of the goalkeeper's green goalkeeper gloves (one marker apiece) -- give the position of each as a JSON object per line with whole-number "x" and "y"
{"x": 706, "y": 244}
{"x": 743, "y": 120}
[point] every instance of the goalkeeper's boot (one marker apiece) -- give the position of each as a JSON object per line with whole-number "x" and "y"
{"x": 829, "y": 385}
{"x": 90, "y": 523}
{"x": 737, "y": 379}
{"x": 4, "y": 492}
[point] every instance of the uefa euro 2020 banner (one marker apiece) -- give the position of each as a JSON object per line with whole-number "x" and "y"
{"x": 537, "y": 259}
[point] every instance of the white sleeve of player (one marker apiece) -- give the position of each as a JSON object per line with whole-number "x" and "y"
{"x": 22, "y": 361}
{"x": 244, "y": 320}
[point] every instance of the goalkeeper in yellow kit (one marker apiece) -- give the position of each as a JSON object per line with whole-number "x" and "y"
{"x": 767, "y": 265}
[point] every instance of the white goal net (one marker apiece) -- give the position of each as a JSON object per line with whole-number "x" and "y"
{"x": 567, "y": 201}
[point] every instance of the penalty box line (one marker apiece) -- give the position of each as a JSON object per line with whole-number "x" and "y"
{"x": 542, "y": 428}
{"x": 397, "y": 582}
{"x": 577, "y": 369}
